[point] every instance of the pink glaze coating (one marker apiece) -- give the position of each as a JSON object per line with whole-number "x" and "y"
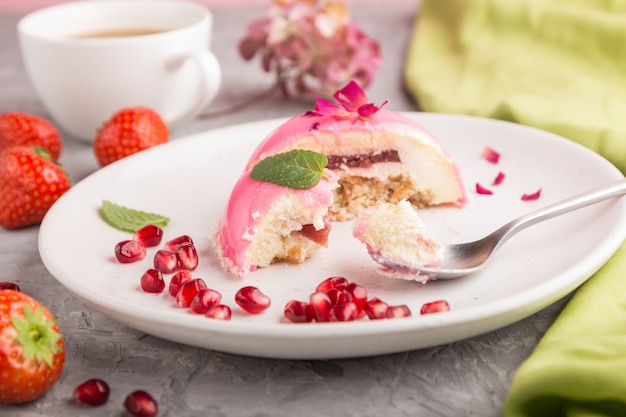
{"x": 294, "y": 129}
{"x": 249, "y": 201}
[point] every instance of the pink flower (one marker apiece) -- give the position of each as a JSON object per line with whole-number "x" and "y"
{"x": 353, "y": 103}
{"x": 313, "y": 49}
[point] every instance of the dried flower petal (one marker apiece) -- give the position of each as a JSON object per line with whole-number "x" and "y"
{"x": 328, "y": 108}
{"x": 369, "y": 109}
{"x": 326, "y": 25}
{"x": 338, "y": 11}
{"x": 482, "y": 190}
{"x": 248, "y": 48}
{"x": 533, "y": 196}
{"x": 499, "y": 178}
{"x": 353, "y": 104}
{"x": 491, "y": 155}
{"x": 351, "y": 97}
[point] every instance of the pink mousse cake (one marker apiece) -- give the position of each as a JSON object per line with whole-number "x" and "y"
{"x": 264, "y": 223}
{"x": 378, "y": 155}
{"x": 373, "y": 156}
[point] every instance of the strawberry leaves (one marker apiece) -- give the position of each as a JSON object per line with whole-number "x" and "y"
{"x": 297, "y": 169}
{"x": 37, "y": 335}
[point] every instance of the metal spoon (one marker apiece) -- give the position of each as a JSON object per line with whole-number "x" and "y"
{"x": 462, "y": 259}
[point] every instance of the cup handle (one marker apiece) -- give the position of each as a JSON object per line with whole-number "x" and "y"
{"x": 210, "y": 80}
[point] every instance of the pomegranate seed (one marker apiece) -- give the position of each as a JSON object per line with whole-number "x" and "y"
{"x": 187, "y": 257}
{"x": 6, "y": 285}
{"x": 435, "y": 307}
{"x": 92, "y": 392}
{"x": 165, "y": 261}
{"x": 219, "y": 312}
{"x": 252, "y": 300}
{"x": 398, "y": 311}
{"x": 332, "y": 282}
{"x": 298, "y": 312}
{"x": 337, "y": 296}
{"x": 205, "y": 299}
{"x": 343, "y": 312}
{"x": 188, "y": 291}
{"x": 152, "y": 281}
{"x": 320, "y": 304}
{"x": 358, "y": 295}
{"x": 141, "y": 404}
{"x": 128, "y": 251}
{"x": 178, "y": 279}
{"x": 149, "y": 235}
{"x": 376, "y": 309}
{"x": 174, "y": 244}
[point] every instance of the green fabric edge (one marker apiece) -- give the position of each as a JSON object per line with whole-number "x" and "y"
{"x": 579, "y": 366}
{"x": 469, "y": 71}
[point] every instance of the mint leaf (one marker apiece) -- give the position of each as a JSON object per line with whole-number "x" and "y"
{"x": 298, "y": 169}
{"x": 129, "y": 220}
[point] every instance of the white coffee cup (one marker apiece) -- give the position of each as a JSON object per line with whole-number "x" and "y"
{"x": 88, "y": 59}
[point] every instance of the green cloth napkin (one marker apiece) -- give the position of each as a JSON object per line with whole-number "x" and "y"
{"x": 579, "y": 366}
{"x": 559, "y": 65}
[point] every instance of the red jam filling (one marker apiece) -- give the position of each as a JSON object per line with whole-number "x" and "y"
{"x": 318, "y": 236}
{"x": 362, "y": 160}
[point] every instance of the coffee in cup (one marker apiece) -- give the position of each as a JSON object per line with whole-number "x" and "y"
{"x": 88, "y": 59}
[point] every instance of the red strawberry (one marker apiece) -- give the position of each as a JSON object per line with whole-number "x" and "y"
{"x": 30, "y": 182}
{"x": 17, "y": 128}
{"x": 32, "y": 352}
{"x": 129, "y": 131}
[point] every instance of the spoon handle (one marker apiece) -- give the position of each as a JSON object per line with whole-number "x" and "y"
{"x": 614, "y": 189}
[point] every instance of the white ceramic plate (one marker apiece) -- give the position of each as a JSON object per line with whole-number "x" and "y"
{"x": 190, "y": 180}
